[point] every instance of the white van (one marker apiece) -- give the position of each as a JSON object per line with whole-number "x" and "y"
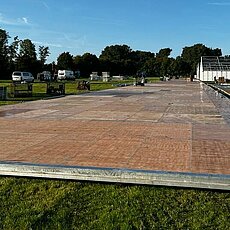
{"x": 22, "y": 76}
{"x": 65, "y": 75}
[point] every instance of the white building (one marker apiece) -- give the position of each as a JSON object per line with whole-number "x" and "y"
{"x": 94, "y": 76}
{"x": 213, "y": 67}
{"x": 119, "y": 77}
{"x": 106, "y": 76}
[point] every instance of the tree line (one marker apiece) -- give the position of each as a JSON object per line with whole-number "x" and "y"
{"x": 117, "y": 59}
{"x": 20, "y": 55}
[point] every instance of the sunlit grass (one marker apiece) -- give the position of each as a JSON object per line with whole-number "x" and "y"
{"x": 53, "y": 204}
{"x": 39, "y": 89}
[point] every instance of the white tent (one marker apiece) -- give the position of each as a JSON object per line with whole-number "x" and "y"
{"x": 213, "y": 67}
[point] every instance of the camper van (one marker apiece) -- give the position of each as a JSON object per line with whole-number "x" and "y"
{"x": 65, "y": 75}
{"x": 19, "y": 76}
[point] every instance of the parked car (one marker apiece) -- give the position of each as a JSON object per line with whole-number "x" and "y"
{"x": 65, "y": 75}
{"x": 19, "y": 76}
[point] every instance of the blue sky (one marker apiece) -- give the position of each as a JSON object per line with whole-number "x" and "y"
{"x": 79, "y": 26}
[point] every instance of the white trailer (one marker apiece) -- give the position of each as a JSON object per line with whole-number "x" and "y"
{"x": 65, "y": 75}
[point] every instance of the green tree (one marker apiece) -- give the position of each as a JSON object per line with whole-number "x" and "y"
{"x": 141, "y": 61}
{"x": 43, "y": 54}
{"x": 27, "y": 49}
{"x": 4, "y": 67}
{"x": 13, "y": 53}
{"x": 166, "y": 66}
{"x": 180, "y": 67}
{"x": 117, "y": 59}
{"x": 86, "y": 64}
{"x": 27, "y": 59}
{"x": 164, "y": 62}
{"x": 192, "y": 55}
{"x": 116, "y": 53}
{"x": 65, "y": 61}
{"x": 165, "y": 52}
{"x": 152, "y": 68}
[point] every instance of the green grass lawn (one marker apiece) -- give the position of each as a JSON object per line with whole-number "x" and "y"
{"x": 53, "y": 204}
{"x": 39, "y": 89}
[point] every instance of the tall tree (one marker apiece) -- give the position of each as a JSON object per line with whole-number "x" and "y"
{"x": 43, "y": 53}
{"x": 13, "y": 53}
{"x": 27, "y": 49}
{"x": 180, "y": 67}
{"x": 165, "y": 52}
{"x": 164, "y": 62}
{"x": 116, "y": 53}
{"x": 3, "y": 42}
{"x": 116, "y": 59}
{"x": 166, "y": 66}
{"x": 192, "y": 55}
{"x": 86, "y": 64}
{"x": 141, "y": 60}
{"x": 27, "y": 59}
{"x": 152, "y": 68}
{"x": 65, "y": 61}
{"x": 3, "y": 54}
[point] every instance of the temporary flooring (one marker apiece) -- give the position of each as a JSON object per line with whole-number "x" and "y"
{"x": 174, "y": 133}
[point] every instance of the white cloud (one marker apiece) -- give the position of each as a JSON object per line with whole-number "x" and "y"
{"x": 13, "y": 21}
{"x": 47, "y": 44}
{"x": 219, "y": 3}
{"x": 25, "y": 20}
